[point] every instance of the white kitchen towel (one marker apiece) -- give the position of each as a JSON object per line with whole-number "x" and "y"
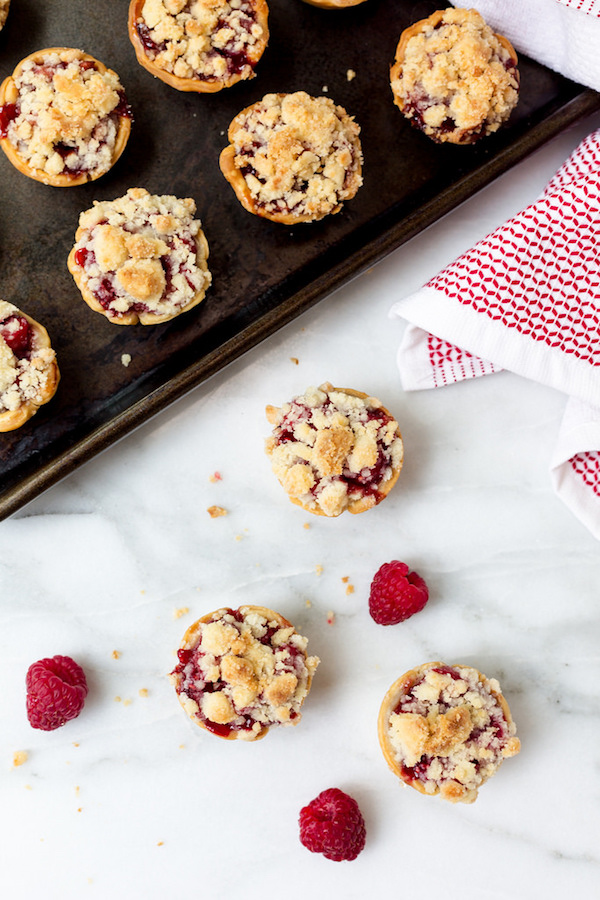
{"x": 564, "y": 35}
{"x": 526, "y": 298}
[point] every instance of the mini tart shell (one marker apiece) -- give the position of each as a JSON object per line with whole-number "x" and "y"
{"x": 191, "y": 639}
{"x": 11, "y": 419}
{"x": 459, "y": 136}
{"x": 237, "y": 181}
{"x": 9, "y": 94}
{"x": 199, "y": 85}
{"x": 393, "y": 696}
{"x": 132, "y": 318}
{"x": 364, "y": 503}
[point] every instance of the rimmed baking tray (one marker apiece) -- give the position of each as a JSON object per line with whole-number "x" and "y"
{"x": 264, "y": 274}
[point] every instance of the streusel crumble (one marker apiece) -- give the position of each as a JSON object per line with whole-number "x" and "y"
{"x": 4, "y": 4}
{"x": 29, "y": 374}
{"x": 243, "y": 671}
{"x": 334, "y": 449}
{"x": 199, "y": 45}
{"x": 446, "y": 729}
{"x": 293, "y": 158}
{"x": 141, "y": 258}
{"x": 64, "y": 117}
{"x": 453, "y": 77}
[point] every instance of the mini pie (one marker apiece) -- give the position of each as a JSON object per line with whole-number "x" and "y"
{"x": 64, "y": 118}
{"x": 140, "y": 258}
{"x": 293, "y": 158}
{"x": 243, "y": 671}
{"x": 445, "y": 730}
{"x": 334, "y": 449}
{"x": 29, "y": 374}
{"x": 199, "y": 45}
{"x": 4, "y": 4}
{"x": 453, "y": 77}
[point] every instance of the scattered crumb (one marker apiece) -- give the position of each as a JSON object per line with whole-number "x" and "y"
{"x": 350, "y": 74}
{"x": 181, "y": 611}
{"x": 143, "y": 692}
{"x": 306, "y": 525}
{"x": 117, "y": 699}
{"x": 324, "y": 88}
{"x": 238, "y": 537}
{"x": 308, "y": 604}
{"x": 77, "y": 789}
{"x": 216, "y": 511}
{"x": 79, "y": 809}
{"x": 115, "y": 654}
{"x": 330, "y": 617}
{"x": 295, "y": 360}
{"x": 125, "y": 359}
{"x": 319, "y": 570}
{"x": 350, "y": 589}
{"x": 76, "y": 743}
{"x": 28, "y": 787}
{"x": 160, "y": 844}
{"x": 127, "y": 702}
{"x": 216, "y": 476}
{"x": 345, "y": 578}
{"x": 182, "y": 746}
{"x": 19, "y": 757}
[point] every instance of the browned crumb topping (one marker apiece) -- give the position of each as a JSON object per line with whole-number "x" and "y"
{"x": 216, "y": 511}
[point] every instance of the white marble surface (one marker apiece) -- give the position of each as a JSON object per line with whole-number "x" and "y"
{"x": 130, "y": 800}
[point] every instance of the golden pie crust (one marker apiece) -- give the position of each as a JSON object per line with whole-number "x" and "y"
{"x": 456, "y": 727}
{"x": 149, "y": 250}
{"x": 335, "y": 449}
{"x": 453, "y": 77}
{"x": 202, "y": 45}
{"x": 81, "y": 109}
{"x": 25, "y": 383}
{"x": 293, "y": 158}
{"x": 260, "y": 666}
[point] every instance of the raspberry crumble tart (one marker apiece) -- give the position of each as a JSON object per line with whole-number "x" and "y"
{"x": 199, "y": 45}
{"x": 64, "y": 117}
{"x": 454, "y": 78}
{"x": 140, "y": 258}
{"x": 29, "y": 374}
{"x": 4, "y": 4}
{"x": 445, "y": 730}
{"x": 243, "y": 671}
{"x": 335, "y": 449}
{"x": 293, "y": 158}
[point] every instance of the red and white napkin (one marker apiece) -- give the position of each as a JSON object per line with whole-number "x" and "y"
{"x": 564, "y": 35}
{"x": 526, "y": 298}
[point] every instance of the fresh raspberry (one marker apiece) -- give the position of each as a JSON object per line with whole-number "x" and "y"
{"x": 332, "y": 824}
{"x": 56, "y": 690}
{"x": 396, "y": 594}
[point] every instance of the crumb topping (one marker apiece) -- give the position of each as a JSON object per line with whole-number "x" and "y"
{"x": 330, "y": 448}
{"x": 66, "y": 118}
{"x": 242, "y": 671}
{"x": 4, "y": 4}
{"x": 456, "y": 74}
{"x": 297, "y": 153}
{"x": 24, "y": 378}
{"x": 449, "y": 731}
{"x": 206, "y": 39}
{"x": 142, "y": 252}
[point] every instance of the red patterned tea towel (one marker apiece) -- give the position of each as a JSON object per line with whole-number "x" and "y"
{"x": 527, "y": 299}
{"x": 563, "y": 35}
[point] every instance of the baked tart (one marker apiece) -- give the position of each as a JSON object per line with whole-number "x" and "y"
{"x": 242, "y": 672}
{"x": 445, "y": 730}
{"x": 334, "y": 449}
{"x": 199, "y": 45}
{"x": 293, "y": 158}
{"x": 4, "y": 4}
{"x": 454, "y": 78}
{"x": 29, "y": 373}
{"x": 140, "y": 258}
{"x": 64, "y": 117}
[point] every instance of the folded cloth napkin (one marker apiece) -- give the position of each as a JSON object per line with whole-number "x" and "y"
{"x": 526, "y": 298}
{"x": 564, "y": 35}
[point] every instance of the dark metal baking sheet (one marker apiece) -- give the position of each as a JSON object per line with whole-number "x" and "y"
{"x": 264, "y": 274}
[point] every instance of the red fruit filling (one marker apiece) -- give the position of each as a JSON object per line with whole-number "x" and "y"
{"x": 18, "y": 334}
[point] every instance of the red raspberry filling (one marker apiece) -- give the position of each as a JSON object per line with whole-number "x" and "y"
{"x": 18, "y": 335}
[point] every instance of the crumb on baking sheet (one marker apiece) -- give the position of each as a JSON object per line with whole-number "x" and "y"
{"x": 350, "y": 74}
{"x": 216, "y": 476}
{"x": 330, "y": 617}
{"x": 180, "y": 611}
{"x": 19, "y": 757}
{"x": 324, "y": 88}
{"x": 125, "y": 359}
{"x": 216, "y": 511}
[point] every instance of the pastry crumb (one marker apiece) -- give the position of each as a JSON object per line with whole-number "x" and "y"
{"x": 125, "y": 359}
{"x": 180, "y": 611}
{"x": 349, "y": 588}
{"x": 160, "y": 844}
{"x": 319, "y": 569}
{"x": 117, "y": 699}
{"x": 330, "y": 617}
{"x": 325, "y": 89}
{"x": 127, "y": 702}
{"x": 295, "y": 360}
{"x": 143, "y": 692}
{"x": 216, "y": 476}
{"x": 350, "y": 74}
{"x": 20, "y": 757}
{"x": 308, "y": 604}
{"x": 115, "y": 654}
{"x": 306, "y": 525}
{"x": 216, "y": 511}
